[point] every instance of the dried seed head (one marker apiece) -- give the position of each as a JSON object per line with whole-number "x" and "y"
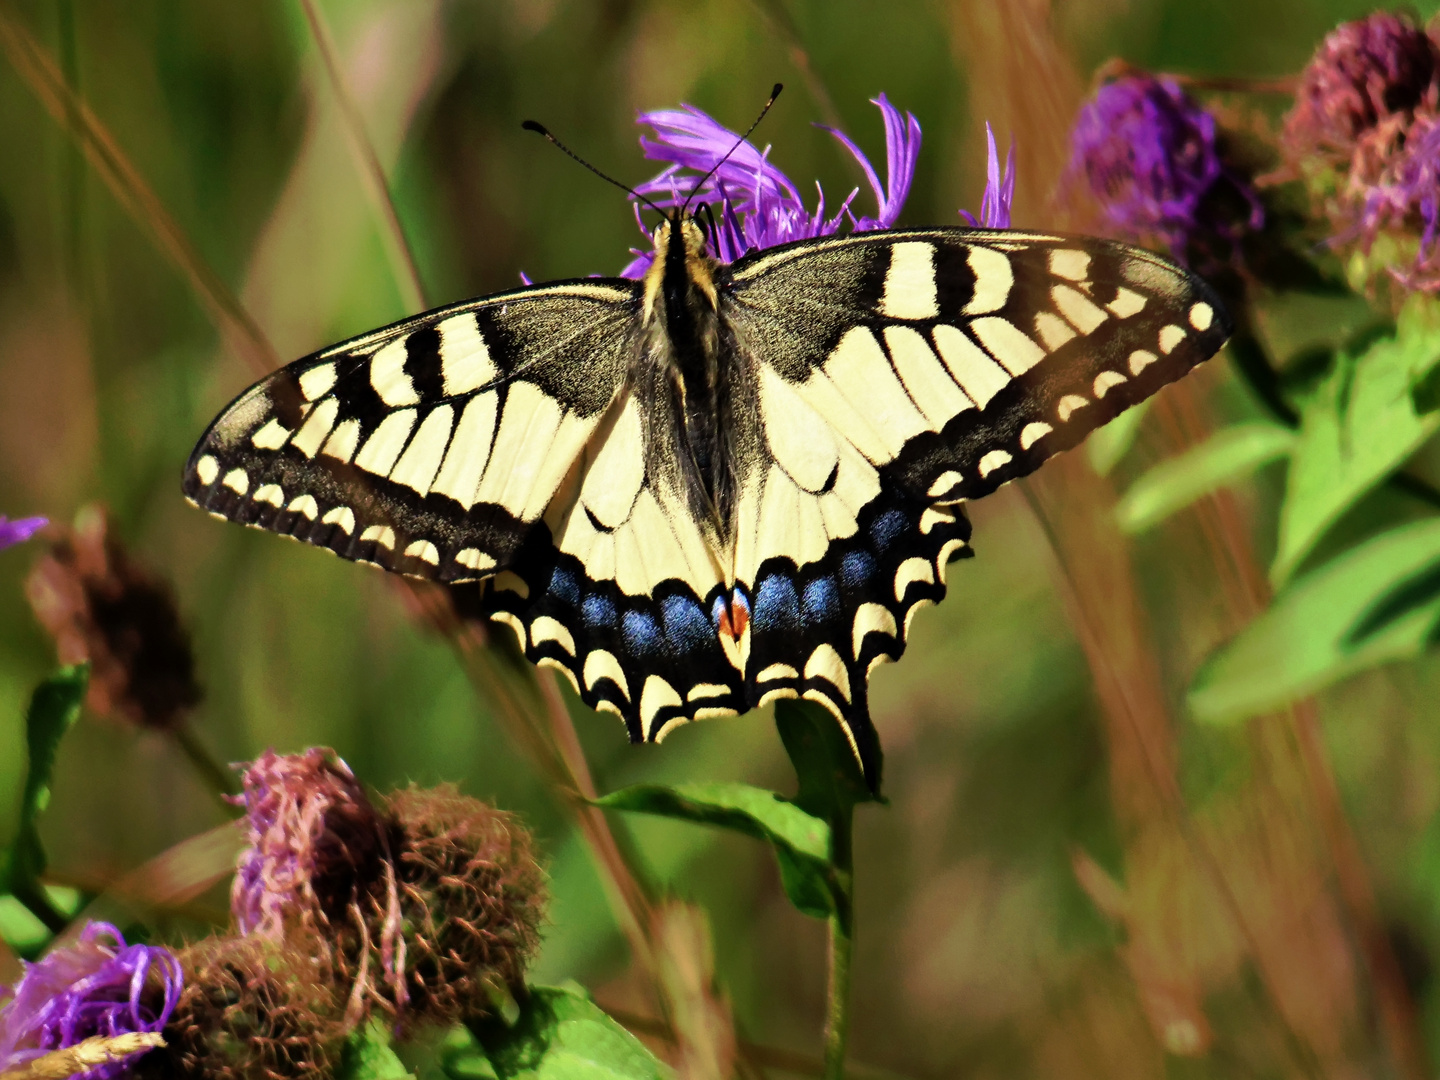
{"x": 316, "y": 844}
{"x": 252, "y": 1009}
{"x": 470, "y": 900}
{"x": 103, "y": 607}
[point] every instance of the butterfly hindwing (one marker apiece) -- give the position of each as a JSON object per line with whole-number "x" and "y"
{"x": 616, "y": 586}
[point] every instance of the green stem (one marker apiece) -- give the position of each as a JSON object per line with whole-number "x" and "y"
{"x": 215, "y": 776}
{"x": 32, "y": 897}
{"x": 837, "y": 1008}
{"x": 840, "y": 929}
{"x": 1254, "y": 367}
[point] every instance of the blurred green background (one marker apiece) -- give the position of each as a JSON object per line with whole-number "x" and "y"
{"x": 980, "y": 953}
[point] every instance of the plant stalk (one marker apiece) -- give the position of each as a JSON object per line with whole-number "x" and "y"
{"x": 837, "y": 995}
{"x": 840, "y": 931}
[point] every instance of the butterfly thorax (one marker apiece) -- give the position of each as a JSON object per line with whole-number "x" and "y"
{"x": 683, "y": 338}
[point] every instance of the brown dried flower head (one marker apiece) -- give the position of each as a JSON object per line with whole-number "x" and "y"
{"x": 471, "y": 897}
{"x": 251, "y": 1010}
{"x": 103, "y": 607}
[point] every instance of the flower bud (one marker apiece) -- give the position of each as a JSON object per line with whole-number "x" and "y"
{"x": 103, "y": 607}
{"x": 471, "y": 896}
{"x": 252, "y": 1009}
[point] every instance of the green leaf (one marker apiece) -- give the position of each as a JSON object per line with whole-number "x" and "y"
{"x": 1326, "y": 625}
{"x": 801, "y": 841}
{"x": 54, "y": 708}
{"x": 830, "y": 780}
{"x": 562, "y": 1035}
{"x": 1229, "y": 455}
{"x": 369, "y": 1056}
{"x": 1359, "y": 428}
{"x": 463, "y": 1058}
{"x": 1106, "y": 448}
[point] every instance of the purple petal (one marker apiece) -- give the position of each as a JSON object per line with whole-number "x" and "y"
{"x": 93, "y": 987}
{"x": 15, "y": 532}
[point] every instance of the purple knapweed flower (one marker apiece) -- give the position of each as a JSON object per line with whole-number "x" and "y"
{"x": 1365, "y": 74}
{"x": 1149, "y": 155}
{"x": 16, "y": 532}
{"x": 315, "y": 842}
{"x": 97, "y": 986}
{"x": 759, "y": 206}
{"x": 1405, "y": 200}
{"x": 999, "y": 188}
{"x": 1362, "y": 136}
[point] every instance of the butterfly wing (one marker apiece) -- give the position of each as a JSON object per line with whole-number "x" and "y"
{"x": 506, "y": 441}
{"x": 898, "y": 374}
{"x": 430, "y": 447}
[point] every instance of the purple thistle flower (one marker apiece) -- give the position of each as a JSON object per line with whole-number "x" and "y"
{"x": 1406, "y": 199}
{"x": 999, "y": 193}
{"x": 1364, "y": 73}
{"x": 93, "y": 987}
{"x": 315, "y": 842}
{"x": 16, "y": 532}
{"x": 759, "y": 205}
{"x": 1149, "y": 155}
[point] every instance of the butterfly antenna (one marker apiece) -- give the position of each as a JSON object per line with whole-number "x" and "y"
{"x": 775, "y": 93}
{"x": 541, "y": 129}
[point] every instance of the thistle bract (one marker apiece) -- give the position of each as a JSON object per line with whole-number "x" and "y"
{"x": 97, "y": 986}
{"x": 252, "y": 1009}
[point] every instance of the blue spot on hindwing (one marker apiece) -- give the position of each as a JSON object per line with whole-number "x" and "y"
{"x": 820, "y": 602}
{"x": 886, "y": 528}
{"x": 856, "y": 569}
{"x": 640, "y": 632}
{"x": 686, "y": 627}
{"x": 598, "y": 610}
{"x": 564, "y": 585}
{"x": 776, "y": 605}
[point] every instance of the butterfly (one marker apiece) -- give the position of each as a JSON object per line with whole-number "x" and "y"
{"x": 722, "y": 484}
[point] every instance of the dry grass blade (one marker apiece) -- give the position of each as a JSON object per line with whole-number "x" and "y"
{"x": 84, "y": 1056}
{"x": 168, "y": 882}
{"x": 780, "y": 19}
{"x": 44, "y": 78}
{"x": 372, "y": 174}
{"x": 533, "y": 714}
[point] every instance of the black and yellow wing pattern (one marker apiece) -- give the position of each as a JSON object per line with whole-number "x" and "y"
{"x": 533, "y": 443}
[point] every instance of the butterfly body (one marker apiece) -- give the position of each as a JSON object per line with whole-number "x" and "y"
{"x": 723, "y": 483}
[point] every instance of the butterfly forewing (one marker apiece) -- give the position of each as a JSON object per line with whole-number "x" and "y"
{"x": 432, "y": 446}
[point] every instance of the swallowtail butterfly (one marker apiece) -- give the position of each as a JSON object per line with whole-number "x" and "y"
{"x": 722, "y": 484}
